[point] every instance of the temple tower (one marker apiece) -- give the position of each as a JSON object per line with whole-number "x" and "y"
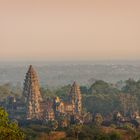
{"x": 32, "y": 95}
{"x": 75, "y": 98}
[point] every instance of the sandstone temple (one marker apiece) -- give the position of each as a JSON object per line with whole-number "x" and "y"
{"x": 32, "y": 95}
{"x": 42, "y": 109}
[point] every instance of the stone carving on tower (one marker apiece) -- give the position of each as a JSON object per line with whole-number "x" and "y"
{"x": 74, "y": 98}
{"x": 32, "y": 95}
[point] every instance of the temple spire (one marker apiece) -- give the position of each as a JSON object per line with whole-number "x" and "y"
{"x": 32, "y": 94}
{"x": 75, "y": 98}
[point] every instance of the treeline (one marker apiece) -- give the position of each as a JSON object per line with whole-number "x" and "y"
{"x": 101, "y": 97}
{"x": 9, "y": 89}
{"x": 106, "y": 98}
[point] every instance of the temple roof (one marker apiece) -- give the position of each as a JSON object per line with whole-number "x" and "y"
{"x": 75, "y": 88}
{"x": 31, "y": 69}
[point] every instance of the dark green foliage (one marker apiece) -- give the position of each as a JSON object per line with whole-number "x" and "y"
{"x": 130, "y": 87}
{"x": 46, "y": 92}
{"x": 101, "y": 87}
{"x": 63, "y": 92}
{"x": 103, "y": 103}
{"x": 84, "y": 90}
{"x": 9, "y": 130}
{"x": 105, "y": 98}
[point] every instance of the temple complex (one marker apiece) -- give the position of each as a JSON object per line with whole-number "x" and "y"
{"x": 73, "y": 105}
{"x": 32, "y": 95}
{"x": 32, "y": 108}
{"x": 48, "y": 109}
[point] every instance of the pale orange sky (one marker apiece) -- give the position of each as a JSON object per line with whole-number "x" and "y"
{"x": 69, "y": 29}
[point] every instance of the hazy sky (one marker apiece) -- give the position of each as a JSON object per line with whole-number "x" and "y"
{"x": 69, "y": 29}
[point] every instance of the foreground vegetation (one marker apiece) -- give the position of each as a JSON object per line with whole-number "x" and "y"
{"x": 9, "y": 130}
{"x": 81, "y": 132}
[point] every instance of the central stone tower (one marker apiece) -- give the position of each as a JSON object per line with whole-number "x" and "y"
{"x": 75, "y": 98}
{"x": 32, "y": 95}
